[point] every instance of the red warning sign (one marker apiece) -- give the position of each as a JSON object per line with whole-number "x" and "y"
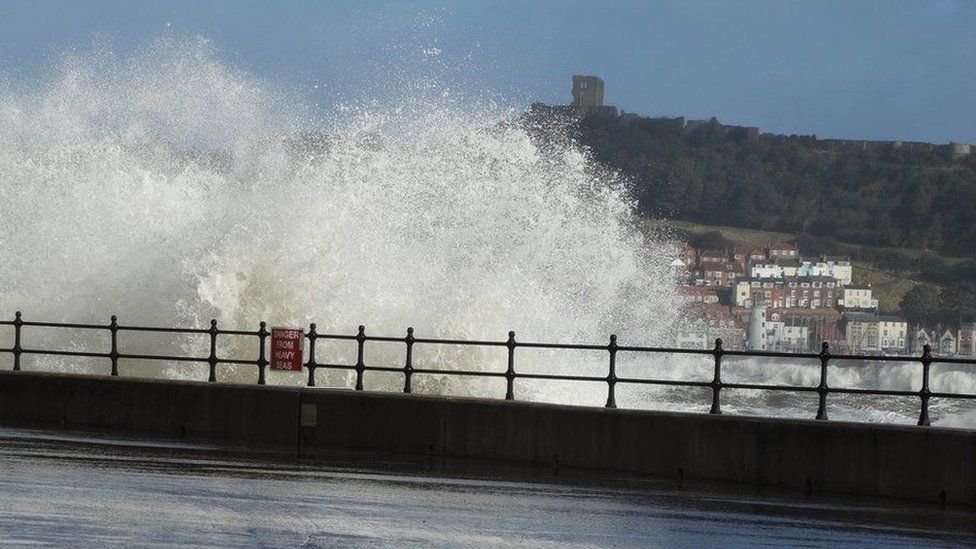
{"x": 286, "y": 349}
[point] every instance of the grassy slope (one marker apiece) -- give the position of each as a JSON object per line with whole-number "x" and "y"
{"x": 889, "y": 286}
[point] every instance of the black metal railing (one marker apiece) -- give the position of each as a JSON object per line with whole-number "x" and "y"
{"x": 511, "y": 375}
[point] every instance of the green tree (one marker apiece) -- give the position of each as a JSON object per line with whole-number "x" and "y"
{"x": 959, "y": 300}
{"x": 870, "y": 195}
{"x": 922, "y": 304}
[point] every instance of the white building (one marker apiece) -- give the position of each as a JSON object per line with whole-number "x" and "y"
{"x": 921, "y": 338}
{"x": 893, "y": 332}
{"x": 773, "y": 332}
{"x": 743, "y": 294}
{"x": 858, "y": 297}
{"x": 773, "y": 268}
{"x": 756, "y": 340}
{"x": 837, "y": 269}
{"x": 792, "y": 335}
{"x": 947, "y": 343}
{"x": 871, "y": 333}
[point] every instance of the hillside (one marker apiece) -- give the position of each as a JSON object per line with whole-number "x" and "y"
{"x": 881, "y": 195}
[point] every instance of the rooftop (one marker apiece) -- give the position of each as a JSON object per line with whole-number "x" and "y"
{"x": 871, "y": 317}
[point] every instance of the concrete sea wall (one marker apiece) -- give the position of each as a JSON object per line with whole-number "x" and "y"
{"x": 923, "y": 464}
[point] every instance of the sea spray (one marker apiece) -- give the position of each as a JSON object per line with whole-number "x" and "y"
{"x": 171, "y": 189}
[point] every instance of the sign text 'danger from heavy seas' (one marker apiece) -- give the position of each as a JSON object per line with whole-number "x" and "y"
{"x": 286, "y": 349}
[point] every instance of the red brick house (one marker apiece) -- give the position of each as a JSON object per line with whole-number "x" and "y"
{"x": 815, "y": 292}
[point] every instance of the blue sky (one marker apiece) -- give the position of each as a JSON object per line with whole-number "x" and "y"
{"x": 889, "y": 69}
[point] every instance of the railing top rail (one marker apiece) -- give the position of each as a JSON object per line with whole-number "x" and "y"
{"x": 331, "y": 336}
{"x": 72, "y": 325}
{"x": 498, "y": 343}
{"x": 470, "y": 342}
{"x": 570, "y": 346}
{"x": 389, "y": 339}
{"x": 477, "y": 342}
{"x": 253, "y": 333}
{"x": 160, "y": 329}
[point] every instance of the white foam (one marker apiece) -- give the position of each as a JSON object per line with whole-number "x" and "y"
{"x": 168, "y": 188}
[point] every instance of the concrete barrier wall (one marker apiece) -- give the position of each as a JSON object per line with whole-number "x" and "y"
{"x": 927, "y": 464}
{"x": 264, "y": 417}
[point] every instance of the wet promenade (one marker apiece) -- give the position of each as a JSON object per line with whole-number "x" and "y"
{"x": 95, "y": 491}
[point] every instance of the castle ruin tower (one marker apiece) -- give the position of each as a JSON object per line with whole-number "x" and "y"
{"x": 587, "y": 91}
{"x": 958, "y": 150}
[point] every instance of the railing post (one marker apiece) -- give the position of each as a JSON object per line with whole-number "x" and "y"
{"x": 717, "y": 378}
{"x": 924, "y": 393}
{"x": 823, "y": 389}
{"x": 212, "y": 359}
{"x": 360, "y": 365}
{"x": 311, "y": 365}
{"x": 17, "y": 350}
{"x": 114, "y": 353}
{"x": 262, "y": 358}
{"x": 408, "y": 364}
{"x": 510, "y": 372}
{"x": 612, "y": 374}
